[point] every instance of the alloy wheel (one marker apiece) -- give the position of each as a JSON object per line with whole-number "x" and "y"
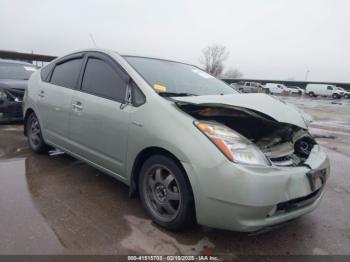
{"x": 162, "y": 193}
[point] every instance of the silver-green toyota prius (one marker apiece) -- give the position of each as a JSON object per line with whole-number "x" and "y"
{"x": 191, "y": 147}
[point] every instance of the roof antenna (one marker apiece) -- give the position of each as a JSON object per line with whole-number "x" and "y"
{"x": 92, "y": 39}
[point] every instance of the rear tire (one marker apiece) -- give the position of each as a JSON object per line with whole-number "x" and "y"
{"x": 34, "y": 135}
{"x": 347, "y": 96}
{"x": 311, "y": 94}
{"x": 166, "y": 194}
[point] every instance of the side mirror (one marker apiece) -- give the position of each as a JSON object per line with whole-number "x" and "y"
{"x": 128, "y": 96}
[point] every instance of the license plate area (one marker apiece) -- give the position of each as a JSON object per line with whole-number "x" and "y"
{"x": 316, "y": 178}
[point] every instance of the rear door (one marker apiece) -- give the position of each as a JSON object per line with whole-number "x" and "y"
{"x": 100, "y": 119}
{"x": 54, "y": 98}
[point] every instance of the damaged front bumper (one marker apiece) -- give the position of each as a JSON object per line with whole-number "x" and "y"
{"x": 10, "y": 111}
{"x": 249, "y": 198}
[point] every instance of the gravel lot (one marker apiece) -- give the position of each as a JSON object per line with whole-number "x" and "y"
{"x": 59, "y": 205}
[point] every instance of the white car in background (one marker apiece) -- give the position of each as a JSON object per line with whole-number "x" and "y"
{"x": 346, "y": 93}
{"x": 278, "y": 88}
{"x": 296, "y": 90}
{"x": 324, "y": 90}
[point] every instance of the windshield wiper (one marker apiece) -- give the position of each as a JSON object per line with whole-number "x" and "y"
{"x": 170, "y": 94}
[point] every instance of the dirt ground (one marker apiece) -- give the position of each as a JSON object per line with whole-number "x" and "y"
{"x": 59, "y": 205}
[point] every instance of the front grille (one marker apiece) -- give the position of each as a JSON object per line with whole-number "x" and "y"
{"x": 17, "y": 111}
{"x": 297, "y": 203}
{"x": 12, "y": 110}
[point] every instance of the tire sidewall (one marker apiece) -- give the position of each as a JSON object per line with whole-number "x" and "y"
{"x": 186, "y": 212}
{"x": 41, "y": 147}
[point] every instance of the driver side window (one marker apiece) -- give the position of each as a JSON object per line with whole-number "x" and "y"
{"x": 102, "y": 80}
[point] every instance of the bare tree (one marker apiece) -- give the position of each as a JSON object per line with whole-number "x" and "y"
{"x": 233, "y": 73}
{"x": 213, "y": 58}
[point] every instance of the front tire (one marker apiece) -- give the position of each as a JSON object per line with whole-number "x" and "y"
{"x": 346, "y": 96}
{"x": 335, "y": 96}
{"x": 165, "y": 193}
{"x": 34, "y": 134}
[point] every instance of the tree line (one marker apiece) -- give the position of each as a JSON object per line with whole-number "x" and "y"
{"x": 213, "y": 58}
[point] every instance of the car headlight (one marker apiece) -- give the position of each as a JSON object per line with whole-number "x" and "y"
{"x": 235, "y": 147}
{"x": 3, "y": 95}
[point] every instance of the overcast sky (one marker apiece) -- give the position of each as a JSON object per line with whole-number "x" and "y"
{"x": 267, "y": 39}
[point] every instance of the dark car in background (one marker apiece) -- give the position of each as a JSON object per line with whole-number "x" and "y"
{"x": 14, "y": 76}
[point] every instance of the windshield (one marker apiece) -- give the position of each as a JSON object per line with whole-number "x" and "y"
{"x": 178, "y": 79}
{"x": 16, "y": 71}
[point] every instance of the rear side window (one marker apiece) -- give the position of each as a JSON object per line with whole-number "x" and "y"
{"x": 330, "y": 88}
{"x": 101, "y": 79}
{"x": 67, "y": 73}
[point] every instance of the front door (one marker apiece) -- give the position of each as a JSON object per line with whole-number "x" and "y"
{"x": 329, "y": 91}
{"x": 100, "y": 120}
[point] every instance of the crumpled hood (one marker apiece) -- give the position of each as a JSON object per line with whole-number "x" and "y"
{"x": 13, "y": 83}
{"x": 262, "y": 103}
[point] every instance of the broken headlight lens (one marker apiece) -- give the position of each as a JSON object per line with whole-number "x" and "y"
{"x": 234, "y": 146}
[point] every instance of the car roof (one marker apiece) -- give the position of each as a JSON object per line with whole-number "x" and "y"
{"x": 107, "y": 51}
{"x": 9, "y": 61}
{"x": 160, "y": 59}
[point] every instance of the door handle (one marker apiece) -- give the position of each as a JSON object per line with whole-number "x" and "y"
{"x": 77, "y": 106}
{"x": 41, "y": 93}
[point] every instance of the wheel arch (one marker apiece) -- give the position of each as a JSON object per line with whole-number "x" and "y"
{"x": 142, "y": 157}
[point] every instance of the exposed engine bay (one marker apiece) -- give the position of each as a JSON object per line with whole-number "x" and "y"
{"x": 284, "y": 144}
